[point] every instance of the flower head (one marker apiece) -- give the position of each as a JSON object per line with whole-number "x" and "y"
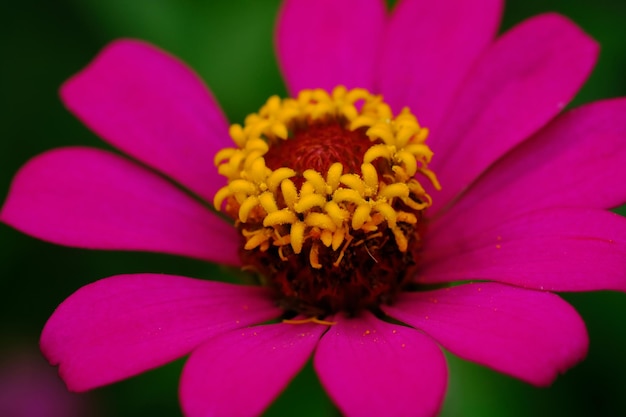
{"x": 323, "y": 190}
{"x": 362, "y": 225}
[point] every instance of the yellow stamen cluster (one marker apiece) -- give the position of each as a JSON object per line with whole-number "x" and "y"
{"x": 328, "y": 207}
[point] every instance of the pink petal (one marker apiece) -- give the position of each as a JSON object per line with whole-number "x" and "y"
{"x": 578, "y": 160}
{"x": 559, "y": 249}
{"x": 124, "y": 325}
{"x": 429, "y": 48}
{"x": 95, "y": 199}
{"x": 154, "y": 108}
{"x": 325, "y": 43}
{"x": 373, "y": 368}
{"x": 520, "y": 84}
{"x": 530, "y": 335}
{"x": 240, "y": 373}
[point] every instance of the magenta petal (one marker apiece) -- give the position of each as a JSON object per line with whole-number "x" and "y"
{"x": 553, "y": 249}
{"x": 95, "y": 199}
{"x": 531, "y": 335}
{"x": 429, "y": 48}
{"x": 153, "y": 107}
{"x": 124, "y": 325}
{"x": 241, "y": 372}
{"x": 373, "y": 368}
{"x": 520, "y": 84}
{"x": 578, "y": 160}
{"x": 325, "y": 43}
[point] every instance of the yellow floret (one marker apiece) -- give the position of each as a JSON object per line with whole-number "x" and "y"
{"x": 329, "y": 206}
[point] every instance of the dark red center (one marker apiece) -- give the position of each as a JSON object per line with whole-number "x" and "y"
{"x": 372, "y": 270}
{"x": 319, "y": 146}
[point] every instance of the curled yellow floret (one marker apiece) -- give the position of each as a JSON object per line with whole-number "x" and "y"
{"x": 327, "y": 208}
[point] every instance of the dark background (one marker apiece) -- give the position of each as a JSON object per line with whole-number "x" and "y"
{"x": 230, "y": 45}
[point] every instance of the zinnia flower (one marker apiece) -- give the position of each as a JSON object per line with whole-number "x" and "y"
{"x": 334, "y": 205}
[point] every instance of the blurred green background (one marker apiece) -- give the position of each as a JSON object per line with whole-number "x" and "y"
{"x": 229, "y": 43}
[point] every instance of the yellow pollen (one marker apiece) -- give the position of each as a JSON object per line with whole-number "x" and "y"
{"x": 310, "y": 320}
{"x": 328, "y": 207}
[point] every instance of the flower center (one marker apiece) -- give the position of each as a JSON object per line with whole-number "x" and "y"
{"x": 323, "y": 189}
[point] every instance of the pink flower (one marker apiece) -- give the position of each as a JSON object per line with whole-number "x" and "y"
{"x": 523, "y": 209}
